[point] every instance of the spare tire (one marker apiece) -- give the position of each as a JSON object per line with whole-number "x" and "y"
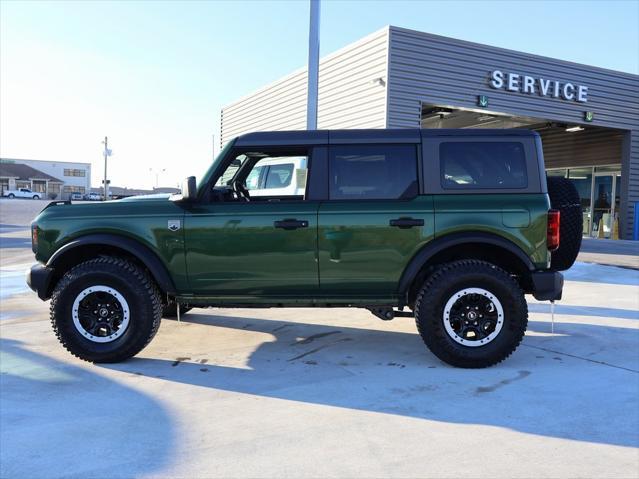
{"x": 565, "y": 198}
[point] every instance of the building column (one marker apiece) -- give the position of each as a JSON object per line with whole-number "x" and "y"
{"x": 625, "y": 215}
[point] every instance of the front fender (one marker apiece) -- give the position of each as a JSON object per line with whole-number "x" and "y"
{"x": 145, "y": 255}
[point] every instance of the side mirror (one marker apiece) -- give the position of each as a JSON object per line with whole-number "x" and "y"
{"x": 189, "y": 190}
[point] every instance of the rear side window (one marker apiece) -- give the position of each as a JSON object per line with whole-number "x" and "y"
{"x": 373, "y": 172}
{"x": 482, "y": 165}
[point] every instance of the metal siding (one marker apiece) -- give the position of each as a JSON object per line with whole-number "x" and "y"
{"x": 347, "y": 96}
{"x": 448, "y": 72}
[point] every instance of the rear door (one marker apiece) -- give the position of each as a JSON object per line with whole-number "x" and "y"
{"x": 374, "y": 221}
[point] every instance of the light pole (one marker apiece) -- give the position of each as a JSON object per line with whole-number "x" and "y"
{"x": 107, "y": 153}
{"x": 157, "y": 174}
{"x": 313, "y": 65}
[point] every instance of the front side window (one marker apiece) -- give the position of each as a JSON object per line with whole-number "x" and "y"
{"x": 482, "y": 165}
{"x": 372, "y": 172}
{"x": 266, "y": 175}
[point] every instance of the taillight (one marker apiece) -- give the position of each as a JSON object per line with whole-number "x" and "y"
{"x": 552, "y": 235}
{"x": 34, "y": 238}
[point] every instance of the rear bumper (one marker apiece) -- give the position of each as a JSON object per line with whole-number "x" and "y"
{"x": 547, "y": 285}
{"x": 39, "y": 280}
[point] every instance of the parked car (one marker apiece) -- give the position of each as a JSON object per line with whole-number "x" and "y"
{"x": 93, "y": 196}
{"x": 76, "y": 196}
{"x": 451, "y": 227}
{"x": 22, "y": 193}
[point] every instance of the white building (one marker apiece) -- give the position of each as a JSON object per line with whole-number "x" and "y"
{"x": 75, "y": 177}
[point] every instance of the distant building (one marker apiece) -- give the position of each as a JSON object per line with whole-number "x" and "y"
{"x": 59, "y": 178}
{"x": 16, "y": 175}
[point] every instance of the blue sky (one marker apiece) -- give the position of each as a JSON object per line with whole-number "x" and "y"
{"x": 154, "y": 75}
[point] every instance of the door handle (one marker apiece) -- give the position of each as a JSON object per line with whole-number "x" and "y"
{"x": 404, "y": 223}
{"x": 291, "y": 224}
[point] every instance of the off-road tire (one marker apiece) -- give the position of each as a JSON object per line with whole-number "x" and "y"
{"x": 453, "y": 277}
{"x": 135, "y": 285}
{"x": 169, "y": 311}
{"x": 565, "y": 198}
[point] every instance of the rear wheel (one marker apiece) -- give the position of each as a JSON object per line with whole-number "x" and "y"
{"x": 565, "y": 198}
{"x": 471, "y": 314}
{"x": 36, "y": 197}
{"x": 11, "y": 196}
{"x": 105, "y": 310}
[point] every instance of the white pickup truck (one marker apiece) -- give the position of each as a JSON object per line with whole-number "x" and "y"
{"x": 22, "y": 193}
{"x": 278, "y": 177}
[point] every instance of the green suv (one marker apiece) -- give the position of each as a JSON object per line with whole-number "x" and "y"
{"x": 452, "y": 227}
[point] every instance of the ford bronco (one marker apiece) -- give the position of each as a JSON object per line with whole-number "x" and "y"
{"x": 452, "y": 227}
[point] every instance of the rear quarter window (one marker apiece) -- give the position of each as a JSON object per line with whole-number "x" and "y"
{"x": 482, "y": 165}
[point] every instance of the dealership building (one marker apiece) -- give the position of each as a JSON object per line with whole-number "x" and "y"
{"x": 588, "y": 117}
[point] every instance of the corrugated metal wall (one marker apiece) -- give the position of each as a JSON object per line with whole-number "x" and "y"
{"x": 348, "y": 95}
{"x": 448, "y": 72}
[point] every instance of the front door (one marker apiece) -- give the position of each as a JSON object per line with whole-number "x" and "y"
{"x": 253, "y": 247}
{"x": 373, "y": 222}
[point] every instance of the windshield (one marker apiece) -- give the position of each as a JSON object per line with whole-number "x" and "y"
{"x": 204, "y": 180}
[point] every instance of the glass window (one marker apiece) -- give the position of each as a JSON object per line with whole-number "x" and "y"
{"x": 373, "y": 172}
{"x": 74, "y": 172}
{"x": 230, "y": 171}
{"x": 73, "y": 189}
{"x": 279, "y": 176}
{"x": 561, "y": 172}
{"x": 487, "y": 165}
{"x": 262, "y": 172}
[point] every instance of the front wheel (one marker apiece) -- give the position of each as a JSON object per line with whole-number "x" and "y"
{"x": 105, "y": 310}
{"x": 471, "y": 314}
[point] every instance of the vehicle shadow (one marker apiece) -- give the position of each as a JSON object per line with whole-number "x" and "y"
{"x": 392, "y": 372}
{"x": 61, "y": 420}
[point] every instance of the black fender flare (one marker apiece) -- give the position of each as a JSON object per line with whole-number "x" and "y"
{"x": 444, "y": 242}
{"x": 143, "y": 253}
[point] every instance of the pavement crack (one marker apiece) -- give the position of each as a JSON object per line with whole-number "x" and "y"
{"x": 319, "y": 348}
{"x": 603, "y": 363}
{"x": 502, "y": 383}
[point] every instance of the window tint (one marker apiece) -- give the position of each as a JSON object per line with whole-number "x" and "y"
{"x": 279, "y": 176}
{"x": 373, "y": 172}
{"x": 477, "y": 165}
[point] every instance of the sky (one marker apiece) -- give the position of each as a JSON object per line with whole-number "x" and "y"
{"x": 153, "y": 76}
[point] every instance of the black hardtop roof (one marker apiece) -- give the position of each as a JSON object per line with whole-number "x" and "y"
{"x": 404, "y": 135}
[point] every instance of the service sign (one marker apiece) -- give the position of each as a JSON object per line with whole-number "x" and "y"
{"x": 530, "y": 85}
